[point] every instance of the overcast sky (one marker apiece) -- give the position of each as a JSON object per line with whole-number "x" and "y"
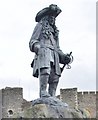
{"x": 77, "y": 25}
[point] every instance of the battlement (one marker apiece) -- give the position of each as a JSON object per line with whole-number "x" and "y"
{"x": 15, "y": 89}
{"x": 73, "y": 92}
{"x": 68, "y": 90}
{"x": 81, "y": 93}
{"x": 87, "y": 93}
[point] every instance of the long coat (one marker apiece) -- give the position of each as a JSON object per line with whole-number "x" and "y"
{"x": 49, "y": 50}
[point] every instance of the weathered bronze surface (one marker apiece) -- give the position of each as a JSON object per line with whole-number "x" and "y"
{"x": 48, "y": 55}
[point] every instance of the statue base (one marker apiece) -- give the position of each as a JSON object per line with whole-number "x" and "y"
{"x": 51, "y": 107}
{"x": 53, "y": 101}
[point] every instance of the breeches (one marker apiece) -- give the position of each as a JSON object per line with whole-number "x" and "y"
{"x": 53, "y": 77}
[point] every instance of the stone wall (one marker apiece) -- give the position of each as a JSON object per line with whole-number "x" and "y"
{"x": 12, "y": 102}
{"x": 97, "y": 104}
{"x": 69, "y": 96}
{"x": 12, "y": 99}
{"x": 87, "y": 100}
{"x": 81, "y": 100}
{"x": 0, "y": 104}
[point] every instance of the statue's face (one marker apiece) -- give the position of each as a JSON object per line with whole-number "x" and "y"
{"x": 51, "y": 20}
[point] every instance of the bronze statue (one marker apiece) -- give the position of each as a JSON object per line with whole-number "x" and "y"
{"x": 45, "y": 43}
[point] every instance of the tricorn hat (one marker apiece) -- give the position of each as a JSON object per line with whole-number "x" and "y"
{"x": 53, "y": 10}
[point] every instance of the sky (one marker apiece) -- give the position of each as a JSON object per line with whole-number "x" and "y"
{"x": 77, "y": 25}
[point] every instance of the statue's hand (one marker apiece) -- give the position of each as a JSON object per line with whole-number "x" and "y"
{"x": 36, "y": 47}
{"x": 67, "y": 59}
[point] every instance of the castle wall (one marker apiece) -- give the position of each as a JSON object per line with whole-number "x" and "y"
{"x": 87, "y": 100}
{"x": 69, "y": 96}
{"x": 0, "y": 104}
{"x": 82, "y": 100}
{"x": 12, "y": 99}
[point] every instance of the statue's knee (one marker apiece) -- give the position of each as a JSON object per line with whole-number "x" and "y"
{"x": 53, "y": 79}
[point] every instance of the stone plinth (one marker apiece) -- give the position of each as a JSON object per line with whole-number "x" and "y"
{"x": 41, "y": 108}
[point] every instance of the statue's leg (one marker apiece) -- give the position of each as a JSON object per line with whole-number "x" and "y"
{"x": 53, "y": 82}
{"x": 44, "y": 77}
{"x": 52, "y": 88}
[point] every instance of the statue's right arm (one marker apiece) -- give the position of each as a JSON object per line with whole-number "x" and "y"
{"x": 34, "y": 43}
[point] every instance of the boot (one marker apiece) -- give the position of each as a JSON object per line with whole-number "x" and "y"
{"x": 52, "y": 89}
{"x": 43, "y": 85}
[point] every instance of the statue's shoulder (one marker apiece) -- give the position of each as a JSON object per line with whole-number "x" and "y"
{"x": 38, "y": 25}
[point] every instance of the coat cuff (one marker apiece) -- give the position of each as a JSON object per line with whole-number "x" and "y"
{"x": 31, "y": 44}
